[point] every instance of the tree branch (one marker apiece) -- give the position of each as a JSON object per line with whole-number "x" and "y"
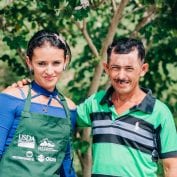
{"x": 83, "y": 29}
{"x": 1, "y": 22}
{"x": 133, "y": 11}
{"x": 110, "y": 35}
{"x": 96, "y": 5}
{"x": 150, "y": 15}
{"x": 113, "y": 5}
{"x": 89, "y": 40}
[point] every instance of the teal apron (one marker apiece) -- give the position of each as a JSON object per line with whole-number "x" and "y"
{"x": 39, "y": 144}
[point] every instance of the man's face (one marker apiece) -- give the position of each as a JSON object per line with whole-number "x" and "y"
{"x": 124, "y": 71}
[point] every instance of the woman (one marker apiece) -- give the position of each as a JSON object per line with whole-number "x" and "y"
{"x": 36, "y": 120}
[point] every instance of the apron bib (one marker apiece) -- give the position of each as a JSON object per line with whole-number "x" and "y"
{"x": 39, "y": 144}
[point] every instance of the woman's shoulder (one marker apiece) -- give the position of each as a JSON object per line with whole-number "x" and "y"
{"x": 16, "y": 91}
{"x": 70, "y": 103}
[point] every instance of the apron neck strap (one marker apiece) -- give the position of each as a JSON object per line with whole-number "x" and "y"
{"x": 62, "y": 101}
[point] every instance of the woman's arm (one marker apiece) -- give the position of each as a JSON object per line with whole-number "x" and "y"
{"x": 7, "y": 113}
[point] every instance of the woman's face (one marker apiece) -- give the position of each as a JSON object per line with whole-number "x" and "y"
{"x": 47, "y": 63}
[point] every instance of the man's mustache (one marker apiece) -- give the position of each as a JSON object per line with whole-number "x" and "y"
{"x": 121, "y": 80}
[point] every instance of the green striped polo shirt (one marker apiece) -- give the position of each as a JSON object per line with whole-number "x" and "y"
{"x": 128, "y": 145}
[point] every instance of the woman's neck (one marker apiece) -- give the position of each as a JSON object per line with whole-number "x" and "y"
{"x": 38, "y": 89}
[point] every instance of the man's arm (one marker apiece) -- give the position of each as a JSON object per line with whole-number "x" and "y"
{"x": 170, "y": 167}
{"x": 21, "y": 83}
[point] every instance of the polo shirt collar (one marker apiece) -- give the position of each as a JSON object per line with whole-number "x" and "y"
{"x": 146, "y": 105}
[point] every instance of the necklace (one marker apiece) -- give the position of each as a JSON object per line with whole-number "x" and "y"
{"x": 45, "y": 109}
{"x": 45, "y": 106}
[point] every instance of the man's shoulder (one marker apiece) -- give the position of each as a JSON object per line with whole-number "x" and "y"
{"x": 93, "y": 99}
{"x": 161, "y": 106}
{"x": 97, "y": 95}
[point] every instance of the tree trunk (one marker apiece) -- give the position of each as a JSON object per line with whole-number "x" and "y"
{"x": 97, "y": 75}
{"x": 87, "y": 158}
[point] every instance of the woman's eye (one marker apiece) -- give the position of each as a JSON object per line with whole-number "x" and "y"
{"x": 41, "y": 63}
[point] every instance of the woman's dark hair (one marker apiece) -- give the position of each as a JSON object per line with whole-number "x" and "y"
{"x": 55, "y": 40}
{"x": 125, "y": 46}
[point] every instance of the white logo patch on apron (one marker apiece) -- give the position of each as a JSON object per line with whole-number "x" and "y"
{"x": 26, "y": 141}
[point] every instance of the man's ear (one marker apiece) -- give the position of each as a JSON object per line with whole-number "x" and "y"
{"x": 105, "y": 66}
{"x": 28, "y": 62}
{"x": 144, "y": 69}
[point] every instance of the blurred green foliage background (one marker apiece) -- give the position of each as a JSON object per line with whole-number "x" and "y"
{"x": 89, "y": 27}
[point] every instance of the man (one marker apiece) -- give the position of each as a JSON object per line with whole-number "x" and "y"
{"x": 130, "y": 127}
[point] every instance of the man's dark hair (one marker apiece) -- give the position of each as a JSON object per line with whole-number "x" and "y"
{"x": 125, "y": 46}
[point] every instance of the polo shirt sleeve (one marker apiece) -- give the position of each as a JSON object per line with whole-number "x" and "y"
{"x": 83, "y": 113}
{"x": 168, "y": 135}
